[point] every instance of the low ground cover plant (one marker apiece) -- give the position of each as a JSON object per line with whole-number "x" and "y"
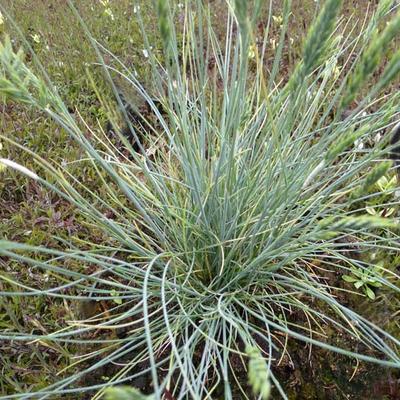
{"x": 227, "y": 221}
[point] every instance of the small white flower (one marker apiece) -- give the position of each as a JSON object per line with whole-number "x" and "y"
{"x": 359, "y": 144}
{"x": 136, "y": 9}
{"x": 180, "y": 5}
{"x": 145, "y": 53}
{"x": 377, "y": 137}
{"x": 1, "y": 19}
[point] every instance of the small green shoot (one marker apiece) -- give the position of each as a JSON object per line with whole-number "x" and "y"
{"x": 365, "y": 279}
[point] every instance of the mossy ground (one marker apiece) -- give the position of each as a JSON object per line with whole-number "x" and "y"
{"x": 29, "y": 213}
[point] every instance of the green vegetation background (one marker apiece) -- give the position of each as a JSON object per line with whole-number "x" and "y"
{"x": 31, "y": 214}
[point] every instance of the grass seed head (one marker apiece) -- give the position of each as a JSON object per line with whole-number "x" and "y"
{"x": 258, "y": 373}
{"x": 371, "y": 59}
{"x": 317, "y": 42}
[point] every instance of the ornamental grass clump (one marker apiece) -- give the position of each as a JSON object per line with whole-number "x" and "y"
{"x": 220, "y": 232}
